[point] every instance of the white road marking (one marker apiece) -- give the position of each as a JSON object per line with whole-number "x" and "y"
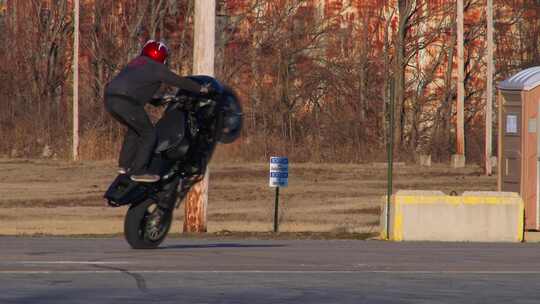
{"x": 66, "y": 262}
{"x": 4, "y": 272}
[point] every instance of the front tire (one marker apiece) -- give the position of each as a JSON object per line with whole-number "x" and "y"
{"x": 140, "y": 230}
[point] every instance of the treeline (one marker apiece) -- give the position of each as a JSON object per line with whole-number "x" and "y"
{"x": 314, "y": 76}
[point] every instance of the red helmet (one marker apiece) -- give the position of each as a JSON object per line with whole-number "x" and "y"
{"x": 156, "y": 50}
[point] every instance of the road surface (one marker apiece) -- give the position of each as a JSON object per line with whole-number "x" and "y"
{"x": 105, "y": 270}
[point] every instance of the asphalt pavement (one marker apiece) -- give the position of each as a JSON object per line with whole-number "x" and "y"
{"x": 106, "y": 270}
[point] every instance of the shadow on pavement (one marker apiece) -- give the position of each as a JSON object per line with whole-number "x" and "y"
{"x": 220, "y": 245}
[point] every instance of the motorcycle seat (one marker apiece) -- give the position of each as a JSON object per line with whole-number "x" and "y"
{"x": 170, "y": 129}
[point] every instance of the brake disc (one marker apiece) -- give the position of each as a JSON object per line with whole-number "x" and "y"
{"x": 154, "y": 231}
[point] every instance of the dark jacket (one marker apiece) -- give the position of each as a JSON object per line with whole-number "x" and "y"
{"x": 142, "y": 77}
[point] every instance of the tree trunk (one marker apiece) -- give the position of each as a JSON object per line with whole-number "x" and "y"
{"x": 405, "y": 8}
{"x": 441, "y": 137}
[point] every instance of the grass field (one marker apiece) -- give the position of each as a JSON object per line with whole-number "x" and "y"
{"x": 63, "y": 198}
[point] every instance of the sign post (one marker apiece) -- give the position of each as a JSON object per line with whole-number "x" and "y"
{"x": 276, "y": 212}
{"x": 279, "y": 177}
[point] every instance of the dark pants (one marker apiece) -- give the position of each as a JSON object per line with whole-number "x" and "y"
{"x": 141, "y": 136}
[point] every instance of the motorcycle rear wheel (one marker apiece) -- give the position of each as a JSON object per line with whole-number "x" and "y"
{"x": 139, "y": 232}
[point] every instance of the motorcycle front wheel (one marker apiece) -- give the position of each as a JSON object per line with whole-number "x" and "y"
{"x": 146, "y": 225}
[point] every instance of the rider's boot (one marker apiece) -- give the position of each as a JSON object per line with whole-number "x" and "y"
{"x": 145, "y": 178}
{"x": 122, "y": 170}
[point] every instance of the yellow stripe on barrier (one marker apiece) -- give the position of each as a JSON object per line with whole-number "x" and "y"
{"x": 521, "y": 223}
{"x": 397, "y": 230}
{"x": 457, "y": 200}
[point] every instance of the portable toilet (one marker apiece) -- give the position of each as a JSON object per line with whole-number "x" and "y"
{"x": 519, "y": 102}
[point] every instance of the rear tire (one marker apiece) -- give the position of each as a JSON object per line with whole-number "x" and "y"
{"x": 136, "y": 225}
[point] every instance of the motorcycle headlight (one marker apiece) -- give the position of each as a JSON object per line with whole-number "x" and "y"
{"x": 232, "y": 119}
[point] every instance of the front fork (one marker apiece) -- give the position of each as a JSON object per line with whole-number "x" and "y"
{"x": 168, "y": 196}
{"x": 173, "y": 193}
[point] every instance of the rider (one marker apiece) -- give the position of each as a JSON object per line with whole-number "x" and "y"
{"x": 125, "y": 97}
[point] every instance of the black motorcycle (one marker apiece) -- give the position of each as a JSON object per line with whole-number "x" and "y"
{"x": 188, "y": 132}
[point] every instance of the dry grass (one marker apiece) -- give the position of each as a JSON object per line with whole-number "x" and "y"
{"x": 63, "y": 198}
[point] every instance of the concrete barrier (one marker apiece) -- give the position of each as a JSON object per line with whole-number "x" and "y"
{"x": 473, "y": 216}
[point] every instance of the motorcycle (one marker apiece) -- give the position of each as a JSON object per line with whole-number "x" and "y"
{"x": 188, "y": 132}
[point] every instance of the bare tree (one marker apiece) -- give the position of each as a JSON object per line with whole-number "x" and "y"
{"x": 37, "y": 81}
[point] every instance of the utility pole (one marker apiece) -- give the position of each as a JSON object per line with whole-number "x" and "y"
{"x": 489, "y": 87}
{"x": 76, "y": 11}
{"x": 458, "y": 160}
{"x": 203, "y": 64}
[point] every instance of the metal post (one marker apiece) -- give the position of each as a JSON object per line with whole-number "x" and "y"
{"x": 76, "y": 80}
{"x": 276, "y": 212}
{"x": 390, "y": 150}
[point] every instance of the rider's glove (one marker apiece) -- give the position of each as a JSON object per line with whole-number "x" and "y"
{"x": 162, "y": 100}
{"x": 168, "y": 98}
{"x": 207, "y": 90}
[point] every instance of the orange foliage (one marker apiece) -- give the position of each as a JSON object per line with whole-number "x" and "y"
{"x": 313, "y": 75}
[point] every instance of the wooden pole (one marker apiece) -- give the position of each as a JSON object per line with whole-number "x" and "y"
{"x": 458, "y": 159}
{"x": 203, "y": 64}
{"x": 460, "y": 134}
{"x": 76, "y": 80}
{"x": 489, "y": 87}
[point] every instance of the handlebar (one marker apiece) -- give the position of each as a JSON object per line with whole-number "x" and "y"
{"x": 185, "y": 101}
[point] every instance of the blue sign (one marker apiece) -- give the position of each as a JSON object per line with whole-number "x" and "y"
{"x": 279, "y": 172}
{"x": 279, "y": 160}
